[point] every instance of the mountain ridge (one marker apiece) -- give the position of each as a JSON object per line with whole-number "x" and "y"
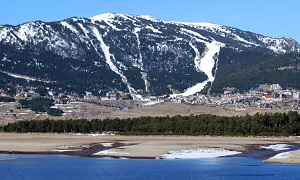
{"x": 135, "y": 51}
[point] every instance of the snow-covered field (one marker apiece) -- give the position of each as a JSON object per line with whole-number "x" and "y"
{"x": 198, "y": 153}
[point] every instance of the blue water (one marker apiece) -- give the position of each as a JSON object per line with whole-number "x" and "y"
{"x": 68, "y": 167}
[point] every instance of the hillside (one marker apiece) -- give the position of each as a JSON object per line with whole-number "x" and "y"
{"x": 142, "y": 55}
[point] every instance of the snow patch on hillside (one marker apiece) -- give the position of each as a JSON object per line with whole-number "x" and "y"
{"x": 26, "y": 31}
{"x": 153, "y": 29}
{"x": 273, "y": 44}
{"x": 67, "y": 25}
{"x": 194, "y": 33}
{"x": 108, "y": 18}
{"x": 139, "y": 62}
{"x": 210, "y": 26}
{"x": 109, "y": 57}
{"x": 244, "y": 41}
{"x": 146, "y": 80}
{"x": 104, "y": 17}
{"x": 149, "y": 18}
{"x": 204, "y": 64}
{"x": 28, "y": 78}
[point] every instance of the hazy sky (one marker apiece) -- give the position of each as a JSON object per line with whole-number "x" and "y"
{"x": 274, "y": 18}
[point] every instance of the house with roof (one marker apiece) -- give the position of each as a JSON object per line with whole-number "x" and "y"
{"x": 255, "y": 91}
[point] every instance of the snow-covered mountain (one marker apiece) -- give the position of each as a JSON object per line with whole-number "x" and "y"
{"x": 135, "y": 54}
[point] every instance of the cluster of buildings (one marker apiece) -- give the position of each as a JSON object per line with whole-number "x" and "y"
{"x": 267, "y": 97}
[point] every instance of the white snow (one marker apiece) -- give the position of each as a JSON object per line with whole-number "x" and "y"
{"x": 77, "y": 134}
{"x": 273, "y": 44}
{"x": 152, "y": 103}
{"x": 96, "y": 134}
{"x": 193, "y": 33}
{"x": 277, "y": 147}
{"x": 153, "y": 29}
{"x": 204, "y": 63}
{"x": 24, "y": 77}
{"x": 106, "y": 52}
{"x": 85, "y": 31}
{"x": 205, "y": 25}
{"x": 5, "y": 157}
{"x": 139, "y": 62}
{"x": 5, "y": 59}
{"x": 107, "y": 18}
{"x": 22, "y": 113}
{"x": 67, "y": 25}
{"x": 109, "y": 57}
{"x": 216, "y": 28}
{"x": 283, "y": 155}
{"x": 66, "y": 150}
{"x": 104, "y": 17}
{"x": 109, "y": 151}
{"x": 147, "y": 82}
{"x": 126, "y": 16}
{"x": 243, "y": 40}
{"x": 107, "y": 144}
{"x": 25, "y": 31}
{"x": 198, "y": 153}
{"x": 150, "y": 18}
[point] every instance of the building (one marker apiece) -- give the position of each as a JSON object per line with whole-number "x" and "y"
{"x": 111, "y": 96}
{"x": 275, "y": 87}
{"x": 89, "y": 96}
{"x": 296, "y": 95}
{"x": 255, "y": 91}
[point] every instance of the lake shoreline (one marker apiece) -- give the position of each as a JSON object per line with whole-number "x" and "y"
{"x": 141, "y": 147}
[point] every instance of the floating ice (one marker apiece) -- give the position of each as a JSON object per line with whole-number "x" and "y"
{"x": 283, "y": 155}
{"x": 198, "y": 153}
{"x": 277, "y": 147}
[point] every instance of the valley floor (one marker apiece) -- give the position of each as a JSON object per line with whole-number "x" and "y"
{"x": 10, "y": 113}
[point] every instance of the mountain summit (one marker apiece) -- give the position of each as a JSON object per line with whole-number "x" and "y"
{"x": 142, "y": 55}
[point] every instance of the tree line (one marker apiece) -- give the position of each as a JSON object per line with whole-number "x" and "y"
{"x": 40, "y": 104}
{"x": 267, "y": 124}
{"x": 7, "y": 99}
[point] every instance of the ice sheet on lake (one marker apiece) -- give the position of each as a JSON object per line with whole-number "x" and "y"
{"x": 107, "y": 144}
{"x": 6, "y": 157}
{"x": 282, "y": 155}
{"x": 277, "y": 147}
{"x": 198, "y": 153}
{"x": 110, "y": 152}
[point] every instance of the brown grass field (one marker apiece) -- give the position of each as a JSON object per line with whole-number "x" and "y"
{"x": 133, "y": 146}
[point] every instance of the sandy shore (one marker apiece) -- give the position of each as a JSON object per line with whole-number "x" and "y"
{"x": 140, "y": 146}
{"x": 293, "y": 157}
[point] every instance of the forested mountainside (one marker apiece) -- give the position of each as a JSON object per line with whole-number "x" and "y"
{"x": 142, "y": 55}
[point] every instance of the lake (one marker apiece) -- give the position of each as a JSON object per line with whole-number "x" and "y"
{"x": 21, "y": 166}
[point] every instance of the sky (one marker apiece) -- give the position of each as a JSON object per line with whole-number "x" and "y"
{"x": 273, "y": 18}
